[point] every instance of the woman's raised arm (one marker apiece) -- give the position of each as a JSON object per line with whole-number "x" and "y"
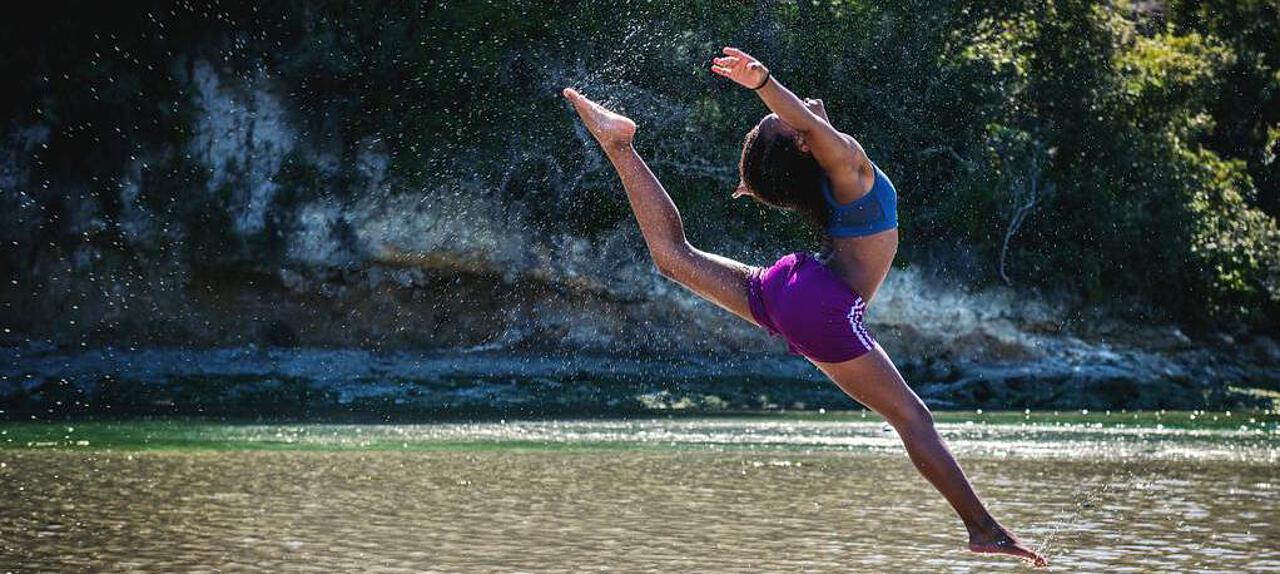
{"x": 843, "y": 160}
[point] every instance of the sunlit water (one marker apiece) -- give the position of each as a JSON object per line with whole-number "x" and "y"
{"x": 693, "y": 495}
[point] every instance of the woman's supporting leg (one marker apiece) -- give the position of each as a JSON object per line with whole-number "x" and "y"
{"x": 873, "y": 381}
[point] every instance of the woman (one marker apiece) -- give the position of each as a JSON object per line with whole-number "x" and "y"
{"x": 795, "y": 160}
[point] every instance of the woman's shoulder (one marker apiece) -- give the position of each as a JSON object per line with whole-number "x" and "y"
{"x": 853, "y": 180}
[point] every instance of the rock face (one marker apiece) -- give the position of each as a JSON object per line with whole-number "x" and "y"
{"x": 285, "y": 236}
{"x": 282, "y": 240}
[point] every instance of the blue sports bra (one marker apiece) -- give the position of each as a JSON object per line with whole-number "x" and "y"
{"x": 872, "y": 213}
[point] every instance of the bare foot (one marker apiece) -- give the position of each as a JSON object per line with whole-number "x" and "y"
{"x": 1001, "y": 541}
{"x": 610, "y": 129}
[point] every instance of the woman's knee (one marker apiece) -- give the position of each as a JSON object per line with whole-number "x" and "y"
{"x": 912, "y": 417}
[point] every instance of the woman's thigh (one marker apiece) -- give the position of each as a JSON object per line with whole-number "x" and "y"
{"x": 874, "y": 381}
{"x": 716, "y": 278}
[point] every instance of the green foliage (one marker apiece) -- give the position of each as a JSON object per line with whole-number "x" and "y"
{"x": 1246, "y": 106}
{"x": 1157, "y": 136}
{"x": 1236, "y": 247}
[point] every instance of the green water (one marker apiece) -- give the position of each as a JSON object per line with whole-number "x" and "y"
{"x": 222, "y": 435}
{"x": 1173, "y": 491}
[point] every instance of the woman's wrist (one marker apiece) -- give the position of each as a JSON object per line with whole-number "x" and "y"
{"x": 767, "y": 77}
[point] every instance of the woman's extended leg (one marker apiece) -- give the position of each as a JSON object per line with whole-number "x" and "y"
{"x": 720, "y": 280}
{"x": 873, "y": 381}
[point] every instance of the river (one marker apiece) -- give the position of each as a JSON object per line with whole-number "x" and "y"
{"x": 816, "y": 492}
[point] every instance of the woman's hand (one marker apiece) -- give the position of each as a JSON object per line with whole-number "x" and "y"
{"x": 740, "y": 67}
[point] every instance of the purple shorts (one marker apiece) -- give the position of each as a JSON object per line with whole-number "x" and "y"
{"x": 803, "y": 302}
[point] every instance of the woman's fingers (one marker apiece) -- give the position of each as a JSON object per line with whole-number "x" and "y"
{"x": 730, "y": 51}
{"x": 738, "y": 66}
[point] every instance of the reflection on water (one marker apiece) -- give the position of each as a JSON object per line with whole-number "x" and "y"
{"x": 718, "y": 496}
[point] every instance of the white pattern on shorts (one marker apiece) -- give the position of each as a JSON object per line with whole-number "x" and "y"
{"x": 855, "y": 322}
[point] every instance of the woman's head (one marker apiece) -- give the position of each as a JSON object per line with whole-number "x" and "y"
{"x": 777, "y": 169}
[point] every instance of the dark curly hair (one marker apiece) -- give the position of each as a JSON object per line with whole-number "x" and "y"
{"x": 778, "y": 173}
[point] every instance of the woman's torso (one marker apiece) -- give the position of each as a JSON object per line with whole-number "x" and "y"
{"x": 862, "y": 263}
{"x": 862, "y": 235}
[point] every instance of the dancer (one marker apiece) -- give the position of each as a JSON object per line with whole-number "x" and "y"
{"x": 795, "y": 160}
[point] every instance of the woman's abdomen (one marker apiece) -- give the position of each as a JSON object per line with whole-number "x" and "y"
{"x": 864, "y": 262}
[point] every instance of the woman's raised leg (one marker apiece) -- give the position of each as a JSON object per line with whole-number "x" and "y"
{"x": 718, "y": 279}
{"x": 873, "y": 381}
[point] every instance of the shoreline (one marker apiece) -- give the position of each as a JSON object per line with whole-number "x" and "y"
{"x": 48, "y": 383}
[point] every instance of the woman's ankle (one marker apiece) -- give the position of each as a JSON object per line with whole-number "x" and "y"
{"x": 985, "y": 528}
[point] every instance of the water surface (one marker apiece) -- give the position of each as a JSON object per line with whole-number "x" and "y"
{"x": 781, "y": 493}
